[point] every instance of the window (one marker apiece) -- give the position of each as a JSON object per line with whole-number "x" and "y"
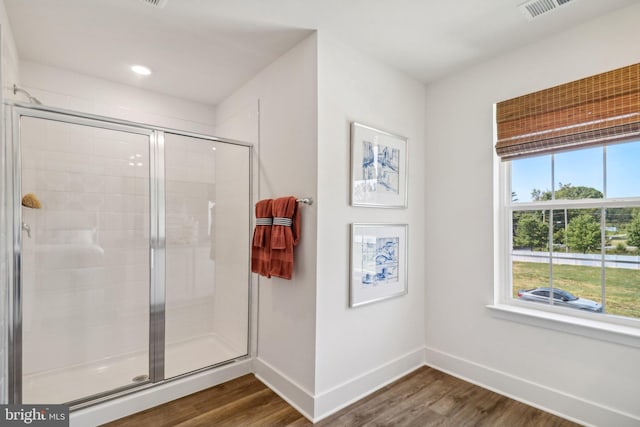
{"x": 568, "y": 217}
{"x": 571, "y": 244}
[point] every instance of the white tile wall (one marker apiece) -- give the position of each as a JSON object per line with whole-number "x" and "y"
{"x": 232, "y": 235}
{"x": 86, "y": 267}
{"x": 190, "y": 268}
{"x": 201, "y": 263}
{"x": 71, "y": 203}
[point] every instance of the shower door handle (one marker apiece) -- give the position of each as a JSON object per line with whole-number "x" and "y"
{"x": 26, "y": 227}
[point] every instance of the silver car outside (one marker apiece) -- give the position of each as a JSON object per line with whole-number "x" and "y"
{"x": 560, "y": 298}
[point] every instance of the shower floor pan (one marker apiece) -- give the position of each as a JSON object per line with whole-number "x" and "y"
{"x": 81, "y": 381}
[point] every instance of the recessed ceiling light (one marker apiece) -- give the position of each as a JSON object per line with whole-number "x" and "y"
{"x": 141, "y": 69}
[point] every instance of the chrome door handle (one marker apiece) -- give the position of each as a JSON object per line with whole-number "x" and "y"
{"x": 26, "y": 227}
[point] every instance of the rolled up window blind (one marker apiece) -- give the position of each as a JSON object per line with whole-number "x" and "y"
{"x": 594, "y": 110}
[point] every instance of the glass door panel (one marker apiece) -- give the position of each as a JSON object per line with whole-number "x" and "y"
{"x": 84, "y": 260}
{"x": 207, "y": 257}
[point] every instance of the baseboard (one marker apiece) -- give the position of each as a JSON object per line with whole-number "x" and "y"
{"x": 550, "y": 400}
{"x": 294, "y": 394}
{"x": 145, "y": 399}
{"x": 352, "y": 390}
{"x": 322, "y": 405}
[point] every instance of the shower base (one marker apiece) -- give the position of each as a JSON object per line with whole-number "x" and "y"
{"x": 77, "y": 382}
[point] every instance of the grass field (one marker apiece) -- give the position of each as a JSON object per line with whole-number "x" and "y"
{"x": 622, "y": 285}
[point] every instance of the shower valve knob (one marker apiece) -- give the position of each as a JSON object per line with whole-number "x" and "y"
{"x": 26, "y": 227}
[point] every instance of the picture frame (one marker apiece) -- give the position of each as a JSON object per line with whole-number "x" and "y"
{"x": 378, "y": 262}
{"x": 379, "y": 168}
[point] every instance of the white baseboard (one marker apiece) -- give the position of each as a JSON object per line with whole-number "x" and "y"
{"x": 293, "y": 393}
{"x": 145, "y": 399}
{"x": 539, "y": 396}
{"x": 352, "y": 390}
{"x": 320, "y": 406}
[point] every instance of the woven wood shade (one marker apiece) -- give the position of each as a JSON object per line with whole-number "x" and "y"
{"x": 594, "y": 110}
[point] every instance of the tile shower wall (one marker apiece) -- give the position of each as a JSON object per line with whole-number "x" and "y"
{"x": 60, "y": 88}
{"x": 232, "y": 234}
{"x": 207, "y": 217}
{"x": 241, "y": 123}
{"x": 86, "y": 262}
{"x": 86, "y": 265}
{"x": 190, "y": 237}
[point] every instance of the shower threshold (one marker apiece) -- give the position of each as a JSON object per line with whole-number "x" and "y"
{"x": 78, "y": 382}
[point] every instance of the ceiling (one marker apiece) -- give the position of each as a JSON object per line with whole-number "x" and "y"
{"x": 202, "y": 50}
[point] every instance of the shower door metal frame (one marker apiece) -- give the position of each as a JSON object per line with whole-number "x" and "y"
{"x": 157, "y": 243}
{"x": 15, "y": 335}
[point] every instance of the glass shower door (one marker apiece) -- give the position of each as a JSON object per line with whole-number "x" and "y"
{"x": 207, "y": 269}
{"x": 84, "y": 262}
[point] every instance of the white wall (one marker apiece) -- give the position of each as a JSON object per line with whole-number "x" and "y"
{"x": 286, "y": 90}
{"x": 312, "y": 348}
{"x": 595, "y": 382}
{"x": 64, "y": 89}
{"x": 360, "y": 349}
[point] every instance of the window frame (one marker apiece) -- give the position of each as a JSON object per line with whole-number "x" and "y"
{"x": 602, "y": 326}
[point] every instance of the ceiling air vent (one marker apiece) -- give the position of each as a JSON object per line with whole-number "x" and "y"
{"x": 535, "y": 8}
{"x": 163, "y": 3}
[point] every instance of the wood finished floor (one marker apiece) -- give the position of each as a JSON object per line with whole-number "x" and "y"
{"x": 426, "y": 397}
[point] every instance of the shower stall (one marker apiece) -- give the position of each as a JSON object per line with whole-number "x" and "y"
{"x": 129, "y": 266}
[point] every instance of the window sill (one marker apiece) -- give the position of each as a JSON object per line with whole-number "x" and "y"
{"x": 603, "y": 331}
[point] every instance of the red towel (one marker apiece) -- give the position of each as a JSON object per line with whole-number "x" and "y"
{"x": 285, "y": 235}
{"x": 261, "y": 246}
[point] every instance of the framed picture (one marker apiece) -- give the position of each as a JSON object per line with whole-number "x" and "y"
{"x": 378, "y": 262}
{"x": 378, "y": 168}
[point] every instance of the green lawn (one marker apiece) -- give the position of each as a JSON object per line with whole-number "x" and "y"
{"x": 622, "y": 285}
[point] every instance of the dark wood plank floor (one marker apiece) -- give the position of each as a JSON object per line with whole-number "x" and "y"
{"x": 426, "y": 397}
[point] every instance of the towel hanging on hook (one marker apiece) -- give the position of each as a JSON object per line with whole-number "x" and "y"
{"x": 261, "y": 245}
{"x": 277, "y": 231}
{"x": 285, "y": 235}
